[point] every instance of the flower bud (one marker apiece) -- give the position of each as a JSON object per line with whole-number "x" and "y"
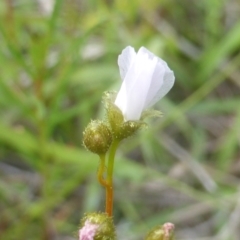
{"x": 162, "y": 232}
{"x": 97, "y": 137}
{"x": 97, "y": 226}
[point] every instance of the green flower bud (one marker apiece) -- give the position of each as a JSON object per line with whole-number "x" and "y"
{"x": 162, "y": 232}
{"x": 97, "y": 226}
{"x": 97, "y": 137}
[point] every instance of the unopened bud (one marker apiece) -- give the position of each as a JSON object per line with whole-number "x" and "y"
{"x": 162, "y": 232}
{"x": 97, "y": 226}
{"x": 97, "y": 137}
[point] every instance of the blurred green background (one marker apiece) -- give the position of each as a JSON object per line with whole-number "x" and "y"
{"x": 56, "y": 62}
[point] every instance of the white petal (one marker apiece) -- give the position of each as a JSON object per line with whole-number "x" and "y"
{"x": 121, "y": 99}
{"x": 136, "y": 86}
{"x": 125, "y": 59}
{"x": 146, "y": 51}
{"x": 161, "y": 82}
{"x": 167, "y": 82}
{"x": 156, "y": 83}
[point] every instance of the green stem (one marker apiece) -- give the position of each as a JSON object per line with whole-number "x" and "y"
{"x": 109, "y": 188}
{"x": 101, "y": 169}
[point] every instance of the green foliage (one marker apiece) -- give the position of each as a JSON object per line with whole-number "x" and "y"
{"x": 54, "y": 69}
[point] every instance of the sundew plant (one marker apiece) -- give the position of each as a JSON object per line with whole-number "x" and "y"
{"x": 145, "y": 80}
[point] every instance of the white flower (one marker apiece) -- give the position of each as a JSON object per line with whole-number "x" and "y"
{"x": 146, "y": 79}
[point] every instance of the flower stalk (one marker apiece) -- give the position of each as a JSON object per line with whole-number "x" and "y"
{"x": 101, "y": 170}
{"x": 109, "y": 187}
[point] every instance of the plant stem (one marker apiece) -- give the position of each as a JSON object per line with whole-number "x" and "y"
{"x": 109, "y": 187}
{"x": 101, "y": 169}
